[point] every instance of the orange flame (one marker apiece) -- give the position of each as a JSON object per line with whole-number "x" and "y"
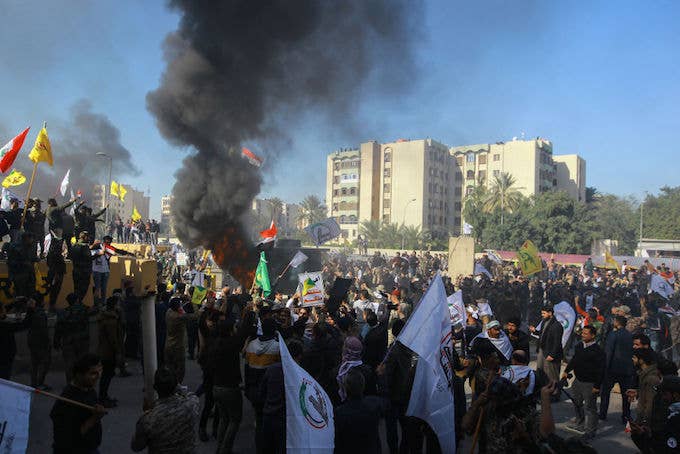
{"x": 233, "y": 255}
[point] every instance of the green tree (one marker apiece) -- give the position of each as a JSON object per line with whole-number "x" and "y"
{"x": 616, "y": 218}
{"x": 275, "y": 207}
{"x": 311, "y": 210}
{"x": 502, "y": 195}
{"x": 661, "y": 214}
{"x": 370, "y": 230}
{"x": 473, "y": 211}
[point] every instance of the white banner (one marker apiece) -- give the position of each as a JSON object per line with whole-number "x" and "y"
{"x": 309, "y": 411}
{"x": 298, "y": 259}
{"x": 428, "y": 333}
{"x": 311, "y": 289}
{"x": 15, "y": 409}
{"x": 323, "y": 231}
{"x": 457, "y": 308}
{"x": 566, "y": 315}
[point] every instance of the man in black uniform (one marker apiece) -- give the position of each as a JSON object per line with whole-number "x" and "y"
{"x": 82, "y": 257}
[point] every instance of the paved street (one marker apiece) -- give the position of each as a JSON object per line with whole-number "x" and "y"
{"x": 120, "y": 423}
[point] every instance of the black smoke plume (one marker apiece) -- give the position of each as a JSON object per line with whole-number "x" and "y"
{"x": 75, "y": 144}
{"x": 242, "y": 71}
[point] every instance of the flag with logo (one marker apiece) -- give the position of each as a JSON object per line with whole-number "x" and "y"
{"x": 528, "y": 258}
{"x": 42, "y": 149}
{"x": 135, "y": 214}
{"x": 428, "y": 333}
{"x": 610, "y": 262}
{"x": 64, "y": 183}
{"x": 198, "y": 295}
{"x": 262, "y": 275}
{"x": 251, "y": 157}
{"x": 661, "y": 286}
{"x": 515, "y": 373}
{"x": 481, "y": 269}
{"x": 121, "y": 192}
{"x": 566, "y": 315}
{"x": 115, "y": 189}
{"x": 15, "y": 411}
{"x": 456, "y": 308}
{"x": 311, "y": 289}
{"x": 9, "y": 152}
{"x": 323, "y": 231}
{"x": 15, "y": 178}
{"x": 309, "y": 411}
{"x": 467, "y": 229}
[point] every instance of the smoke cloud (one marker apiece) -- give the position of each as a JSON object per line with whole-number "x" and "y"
{"x": 75, "y": 143}
{"x": 240, "y": 71}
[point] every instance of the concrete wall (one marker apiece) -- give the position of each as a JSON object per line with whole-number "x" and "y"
{"x": 461, "y": 255}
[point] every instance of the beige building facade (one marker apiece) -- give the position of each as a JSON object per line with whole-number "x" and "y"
{"x": 406, "y": 182}
{"x": 530, "y": 162}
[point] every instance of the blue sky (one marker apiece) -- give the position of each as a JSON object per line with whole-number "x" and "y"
{"x": 601, "y": 79}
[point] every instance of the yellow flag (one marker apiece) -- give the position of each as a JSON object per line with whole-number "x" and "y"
{"x": 115, "y": 189}
{"x": 122, "y": 191}
{"x": 15, "y": 178}
{"x": 135, "y": 214}
{"x": 529, "y": 261}
{"x": 42, "y": 150}
{"x": 609, "y": 261}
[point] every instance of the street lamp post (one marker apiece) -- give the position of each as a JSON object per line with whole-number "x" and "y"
{"x": 403, "y": 223}
{"x": 107, "y": 189}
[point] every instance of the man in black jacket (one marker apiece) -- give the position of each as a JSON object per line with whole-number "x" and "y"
{"x": 549, "y": 343}
{"x": 619, "y": 366}
{"x": 519, "y": 339}
{"x": 588, "y": 365}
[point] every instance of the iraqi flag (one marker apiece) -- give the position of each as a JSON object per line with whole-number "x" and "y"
{"x": 9, "y": 152}
{"x": 251, "y": 157}
{"x": 268, "y": 237}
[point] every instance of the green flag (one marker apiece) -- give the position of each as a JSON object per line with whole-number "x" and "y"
{"x": 198, "y": 295}
{"x": 262, "y": 276}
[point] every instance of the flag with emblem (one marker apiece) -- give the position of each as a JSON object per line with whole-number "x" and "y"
{"x": 15, "y": 178}
{"x": 262, "y": 275}
{"x": 115, "y": 190}
{"x": 198, "y": 295}
{"x": 528, "y": 258}
{"x": 42, "y": 150}
{"x": 135, "y": 214}
{"x": 311, "y": 289}
{"x": 610, "y": 262}
{"x": 309, "y": 411}
{"x": 121, "y": 192}
{"x": 9, "y": 152}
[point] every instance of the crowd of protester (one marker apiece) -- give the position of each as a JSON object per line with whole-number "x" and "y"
{"x": 624, "y": 334}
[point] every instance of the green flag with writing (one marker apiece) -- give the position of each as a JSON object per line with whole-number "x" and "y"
{"x": 262, "y": 276}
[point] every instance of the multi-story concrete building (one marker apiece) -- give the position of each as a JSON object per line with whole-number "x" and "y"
{"x": 167, "y": 220}
{"x": 285, "y": 217}
{"x": 570, "y": 172}
{"x": 406, "y": 182}
{"x": 121, "y": 208}
{"x": 530, "y": 162}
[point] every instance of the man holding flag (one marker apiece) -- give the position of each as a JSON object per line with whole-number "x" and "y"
{"x": 428, "y": 334}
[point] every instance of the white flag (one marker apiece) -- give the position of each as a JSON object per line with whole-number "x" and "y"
{"x": 480, "y": 269}
{"x": 566, "y": 315}
{"x": 64, "y": 183}
{"x": 6, "y": 196}
{"x": 515, "y": 373}
{"x": 15, "y": 409}
{"x": 309, "y": 411}
{"x": 457, "y": 308}
{"x": 502, "y": 343}
{"x": 428, "y": 333}
{"x": 661, "y": 286}
{"x": 467, "y": 229}
{"x": 73, "y": 207}
{"x": 323, "y": 231}
{"x": 298, "y": 259}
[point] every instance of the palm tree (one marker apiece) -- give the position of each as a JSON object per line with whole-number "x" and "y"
{"x": 412, "y": 237}
{"x": 311, "y": 210}
{"x": 502, "y": 195}
{"x": 371, "y": 231}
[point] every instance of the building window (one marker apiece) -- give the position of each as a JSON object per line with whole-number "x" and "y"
{"x": 335, "y": 207}
{"x": 387, "y": 172}
{"x": 336, "y": 166}
{"x": 387, "y": 203}
{"x": 386, "y": 188}
{"x": 458, "y": 191}
{"x": 335, "y": 192}
{"x": 496, "y": 173}
{"x": 481, "y": 176}
{"x": 458, "y": 206}
{"x": 336, "y": 180}
{"x": 352, "y": 191}
{"x": 469, "y": 190}
{"x": 342, "y": 219}
{"x": 352, "y": 219}
{"x": 386, "y": 218}
{"x": 457, "y": 221}
{"x": 459, "y": 176}
{"x": 470, "y": 157}
{"x": 459, "y": 160}
{"x": 482, "y": 159}
{"x": 496, "y": 157}
{"x": 344, "y": 191}
{"x": 470, "y": 174}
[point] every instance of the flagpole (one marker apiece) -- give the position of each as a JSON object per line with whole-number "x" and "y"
{"x": 280, "y": 276}
{"x": 30, "y": 187}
